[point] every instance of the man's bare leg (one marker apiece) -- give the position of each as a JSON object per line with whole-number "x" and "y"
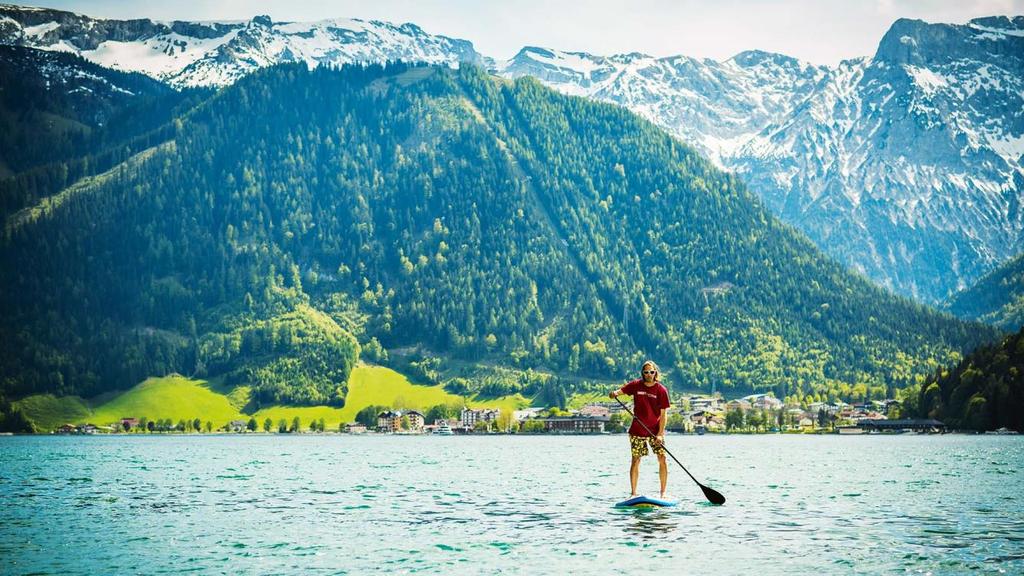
{"x": 663, "y": 473}
{"x": 634, "y": 474}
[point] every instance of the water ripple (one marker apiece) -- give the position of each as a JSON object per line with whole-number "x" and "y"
{"x": 506, "y": 505}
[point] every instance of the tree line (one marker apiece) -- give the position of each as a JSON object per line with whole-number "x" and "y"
{"x": 984, "y": 391}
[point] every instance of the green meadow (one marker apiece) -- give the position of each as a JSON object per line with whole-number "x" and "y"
{"x": 47, "y": 411}
{"x": 177, "y": 397}
{"x": 577, "y": 401}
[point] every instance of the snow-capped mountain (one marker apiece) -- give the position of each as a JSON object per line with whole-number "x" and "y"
{"x": 218, "y": 53}
{"x": 714, "y": 106}
{"x": 906, "y": 166}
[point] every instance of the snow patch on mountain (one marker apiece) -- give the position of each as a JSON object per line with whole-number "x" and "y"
{"x": 185, "y": 53}
{"x": 715, "y": 106}
{"x": 41, "y": 29}
{"x": 926, "y": 80}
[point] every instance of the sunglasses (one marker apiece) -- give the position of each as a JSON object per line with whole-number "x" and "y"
{"x": 650, "y": 371}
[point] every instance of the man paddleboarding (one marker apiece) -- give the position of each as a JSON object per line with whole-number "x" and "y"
{"x": 650, "y": 408}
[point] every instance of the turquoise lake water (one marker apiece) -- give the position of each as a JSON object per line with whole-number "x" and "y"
{"x": 508, "y": 505}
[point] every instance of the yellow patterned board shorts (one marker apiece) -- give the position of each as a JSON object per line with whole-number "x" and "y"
{"x": 638, "y": 446}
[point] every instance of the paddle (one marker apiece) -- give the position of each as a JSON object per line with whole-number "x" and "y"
{"x": 713, "y": 496}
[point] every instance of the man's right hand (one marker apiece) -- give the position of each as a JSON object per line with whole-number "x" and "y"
{"x": 613, "y": 394}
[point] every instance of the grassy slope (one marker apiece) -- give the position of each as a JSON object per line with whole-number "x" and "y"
{"x": 174, "y": 397}
{"x": 177, "y": 397}
{"x": 511, "y": 403}
{"x": 376, "y": 385}
{"x": 577, "y": 401}
{"x": 47, "y": 411}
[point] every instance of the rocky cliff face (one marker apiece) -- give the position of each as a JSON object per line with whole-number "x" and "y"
{"x": 907, "y": 165}
{"x": 713, "y": 106}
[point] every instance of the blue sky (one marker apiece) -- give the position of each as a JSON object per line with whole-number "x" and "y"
{"x": 820, "y": 31}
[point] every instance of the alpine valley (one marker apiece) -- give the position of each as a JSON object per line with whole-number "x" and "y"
{"x": 270, "y": 207}
{"x": 905, "y": 165}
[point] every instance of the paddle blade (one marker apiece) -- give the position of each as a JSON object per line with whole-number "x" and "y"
{"x": 713, "y": 496}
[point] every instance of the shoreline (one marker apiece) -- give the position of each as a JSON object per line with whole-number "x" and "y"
{"x": 478, "y": 435}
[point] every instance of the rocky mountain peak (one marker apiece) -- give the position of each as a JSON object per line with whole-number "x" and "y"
{"x": 920, "y": 43}
{"x": 1006, "y": 24}
{"x": 750, "y": 58}
{"x": 907, "y": 166}
{"x": 630, "y": 57}
{"x": 262, "y": 21}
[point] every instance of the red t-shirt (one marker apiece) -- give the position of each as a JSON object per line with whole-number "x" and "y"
{"x": 647, "y": 404}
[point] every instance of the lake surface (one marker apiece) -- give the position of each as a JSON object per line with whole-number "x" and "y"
{"x": 538, "y": 505}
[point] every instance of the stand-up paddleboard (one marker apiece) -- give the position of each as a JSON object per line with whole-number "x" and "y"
{"x": 644, "y": 502}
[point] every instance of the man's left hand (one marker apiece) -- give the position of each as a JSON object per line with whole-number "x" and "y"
{"x": 661, "y": 439}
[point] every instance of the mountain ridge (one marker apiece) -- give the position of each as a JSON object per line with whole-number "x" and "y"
{"x": 906, "y": 165}
{"x": 211, "y": 53}
{"x": 345, "y": 211}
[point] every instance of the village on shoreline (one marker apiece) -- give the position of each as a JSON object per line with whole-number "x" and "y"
{"x": 692, "y": 414}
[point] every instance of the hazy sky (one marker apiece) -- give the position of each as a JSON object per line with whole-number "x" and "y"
{"x": 820, "y": 31}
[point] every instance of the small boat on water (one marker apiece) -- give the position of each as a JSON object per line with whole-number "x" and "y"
{"x": 444, "y": 430}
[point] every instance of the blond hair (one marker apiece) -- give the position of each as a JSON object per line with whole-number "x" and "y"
{"x": 657, "y": 371}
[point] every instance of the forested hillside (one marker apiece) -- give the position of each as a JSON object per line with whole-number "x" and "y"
{"x": 63, "y": 117}
{"x": 984, "y": 391}
{"x": 296, "y": 215}
{"x": 996, "y": 299}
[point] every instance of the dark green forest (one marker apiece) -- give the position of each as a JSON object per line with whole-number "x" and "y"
{"x": 63, "y": 118}
{"x": 985, "y": 391}
{"x": 996, "y": 299}
{"x": 274, "y": 230}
